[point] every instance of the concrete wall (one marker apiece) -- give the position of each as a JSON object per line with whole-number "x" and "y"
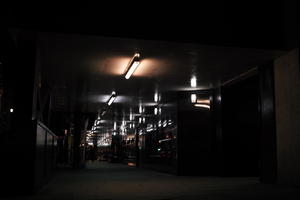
{"x": 287, "y": 98}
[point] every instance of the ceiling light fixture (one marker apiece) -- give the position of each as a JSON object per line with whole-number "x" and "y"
{"x": 156, "y": 97}
{"x": 193, "y": 98}
{"x": 132, "y": 66}
{"x": 155, "y": 111}
{"x": 203, "y": 101}
{"x": 130, "y": 115}
{"x": 193, "y": 81}
{"x": 202, "y": 105}
{"x": 141, "y": 109}
{"x": 115, "y": 125}
{"x": 112, "y": 98}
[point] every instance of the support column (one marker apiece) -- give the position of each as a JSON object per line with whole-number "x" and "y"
{"x": 268, "y": 160}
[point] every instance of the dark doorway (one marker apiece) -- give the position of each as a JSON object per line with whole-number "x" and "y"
{"x": 195, "y": 134}
{"x": 240, "y": 127}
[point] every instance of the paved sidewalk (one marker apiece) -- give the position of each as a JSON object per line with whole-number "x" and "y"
{"x": 104, "y": 181}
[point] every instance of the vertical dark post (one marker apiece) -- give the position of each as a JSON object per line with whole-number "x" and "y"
{"x": 268, "y": 160}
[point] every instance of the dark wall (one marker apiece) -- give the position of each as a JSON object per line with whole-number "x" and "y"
{"x": 18, "y": 143}
{"x": 287, "y": 104}
{"x": 240, "y": 128}
{"x": 196, "y": 137}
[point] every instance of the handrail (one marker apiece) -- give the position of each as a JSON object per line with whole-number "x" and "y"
{"x": 46, "y": 128}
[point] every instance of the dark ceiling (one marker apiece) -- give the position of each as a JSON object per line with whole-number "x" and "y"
{"x": 255, "y": 24}
{"x": 84, "y": 47}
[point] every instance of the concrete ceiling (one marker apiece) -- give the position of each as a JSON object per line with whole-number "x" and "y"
{"x": 83, "y": 70}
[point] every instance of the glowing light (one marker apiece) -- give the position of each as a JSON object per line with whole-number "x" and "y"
{"x": 155, "y": 111}
{"x": 203, "y": 101}
{"x": 159, "y": 123}
{"x": 115, "y": 126}
{"x": 164, "y": 123}
{"x": 140, "y": 108}
{"x": 130, "y": 116}
{"x": 112, "y": 98}
{"x": 132, "y": 66}
{"x": 11, "y": 110}
{"x": 193, "y": 98}
{"x": 193, "y": 82}
{"x": 140, "y": 120}
{"x": 156, "y": 97}
{"x": 202, "y": 106}
{"x": 131, "y": 164}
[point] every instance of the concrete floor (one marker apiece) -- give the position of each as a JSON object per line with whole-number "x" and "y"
{"x": 104, "y": 181}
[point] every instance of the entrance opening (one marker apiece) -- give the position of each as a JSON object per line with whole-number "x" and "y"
{"x": 240, "y": 127}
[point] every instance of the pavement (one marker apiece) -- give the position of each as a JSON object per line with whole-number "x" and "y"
{"x": 107, "y": 181}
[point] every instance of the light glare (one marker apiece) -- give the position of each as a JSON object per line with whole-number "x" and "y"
{"x": 202, "y": 106}
{"x": 193, "y": 82}
{"x": 193, "y": 98}
{"x": 132, "y": 69}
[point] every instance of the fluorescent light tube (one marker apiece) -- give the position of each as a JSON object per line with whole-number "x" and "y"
{"x": 193, "y": 82}
{"x": 202, "y": 106}
{"x": 132, "y": 66}
{"x": 112, "y": 98}
{"x": 155, "y": 111}
{"x": 193, "y": 98}
{"x": 156, "y": 97}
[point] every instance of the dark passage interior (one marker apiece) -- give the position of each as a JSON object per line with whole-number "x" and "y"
{"x": 199, "y": 109}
